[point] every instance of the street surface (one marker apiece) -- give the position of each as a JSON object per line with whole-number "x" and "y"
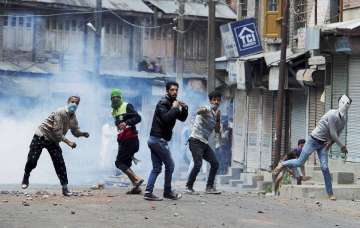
{"x": 45, "y": 207}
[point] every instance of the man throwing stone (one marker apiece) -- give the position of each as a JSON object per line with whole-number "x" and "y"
{"x": 322, "y": 137}
{"x": 48, "y": 135}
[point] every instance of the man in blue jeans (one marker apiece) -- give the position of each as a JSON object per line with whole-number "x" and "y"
{"x": 167, "y": 111}
{"x": 322, "y": 137}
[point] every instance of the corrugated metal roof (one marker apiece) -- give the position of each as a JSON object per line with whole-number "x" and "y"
{"x": 346, "y": 25}
{"x": 193, "y": 9}
{"x": 123, "y": 5}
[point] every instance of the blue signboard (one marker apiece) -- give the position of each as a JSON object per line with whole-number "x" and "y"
{"x": 246, "y": 36}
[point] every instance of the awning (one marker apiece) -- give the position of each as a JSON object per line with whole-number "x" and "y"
{"x": 24, "y": 86}
{"x": 273, "y": 58}
{"x": 341, "y": 26}
{"x": 25, "y": 67}
{"x": 122, "y": 5}
{"x": 196, "y": 9}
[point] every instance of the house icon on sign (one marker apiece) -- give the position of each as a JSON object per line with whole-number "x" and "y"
{"x": 247, "y": 37}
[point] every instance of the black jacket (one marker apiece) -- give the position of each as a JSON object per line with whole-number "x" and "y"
{"x": 131, "y": 117}
{"x": 165, "y": 117}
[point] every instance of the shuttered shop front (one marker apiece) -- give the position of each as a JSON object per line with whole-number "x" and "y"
{"x": 254, "y": 131}
{"x": 240, "y": 126}
{"x": 353, "y": 126}
{"x": 266, "y": 140}
{"x": 298, "y": 117}
{"x": 339, "y": 87}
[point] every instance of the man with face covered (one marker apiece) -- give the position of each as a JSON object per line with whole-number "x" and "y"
{"x": 206, "y": 121}
{"x": 48, "y": 135}
{"x": 322, "y": 137}
{"x": 167, "y": 111}
{"x": 126, "y": 118}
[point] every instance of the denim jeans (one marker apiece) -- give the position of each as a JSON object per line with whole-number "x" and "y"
{"x": 160, "y": 154}
{"x": 310, "y": 146}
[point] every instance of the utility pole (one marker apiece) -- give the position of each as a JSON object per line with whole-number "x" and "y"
{"x": 282, "y": 74}
{"x": 98, "y": 28}
{"x": 211, "y": 47}
{"x": 180, "y": 44}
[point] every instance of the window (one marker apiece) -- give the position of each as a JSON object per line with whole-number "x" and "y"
{"x": 120, "y": 28}
{"x": 164, "y": 32}
{"x": 13, "y": 21}
{"x": 6, "y": 21}
{"x": 158, "y": 33}
{"x": 73, "y": 25}
{"x": 243, "y": 7}
{"x": 107, "y": 28}
{"x": 28, "y": 22}
{"x": 272, "y": 5}
{"x": 53, "y": 24}
{"x": 300, "y": 14}
{"x": 67, "y": 25}
{"x": 21, "y": 21}
{"x": 60, "y": 26}
{"x": 113, "y": 29}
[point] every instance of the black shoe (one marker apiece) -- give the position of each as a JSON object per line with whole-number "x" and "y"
{"x": 134, "y": 191}
{"x": 25, "y": 181}
{"x": 172, "y": 195}
{"x": 151, "y": 197}
{"x": 66, "y": 192}
{"x": 212, "y": 190}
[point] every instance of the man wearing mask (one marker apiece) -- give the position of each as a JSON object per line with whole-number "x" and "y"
{"x": 322, "y": 137}
{"x": 126, "y": 118}
{"x": 167, "y": 111}
{"x": 206, "y": 121}
{"x": 48, "y": 135}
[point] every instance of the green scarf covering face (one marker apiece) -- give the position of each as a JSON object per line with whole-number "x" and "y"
{"x": 116, "y": 98}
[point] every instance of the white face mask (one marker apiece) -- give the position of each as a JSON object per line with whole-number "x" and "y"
{"x": 344, "y": 105}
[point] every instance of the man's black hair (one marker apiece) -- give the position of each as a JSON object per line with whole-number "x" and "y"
{"x": 214, "y": 94}
{"x": 301, "y": 141}
{"x": 171, "y": 83}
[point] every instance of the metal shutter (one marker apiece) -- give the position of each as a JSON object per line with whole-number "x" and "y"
{"x": 240, "y": 126}
{"x": 339, "y": 87}
{"x": 266, "y": 136}
{"x": 353, "y": 126}
{"x": 298, "y": 117}
{"x": 254, "y": 125}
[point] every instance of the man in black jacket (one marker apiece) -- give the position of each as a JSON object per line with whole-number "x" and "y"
{"x": 167, "y": 111}
{"x": 126, "y": 118}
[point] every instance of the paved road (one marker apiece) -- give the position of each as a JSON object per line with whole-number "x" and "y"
{"x": 113, "y": 208}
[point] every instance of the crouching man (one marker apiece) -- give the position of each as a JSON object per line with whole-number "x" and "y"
{"x": 48, "y": 135}
{"x": 321, "y": 138}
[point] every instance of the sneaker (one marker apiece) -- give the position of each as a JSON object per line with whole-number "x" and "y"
{"x": 25, "y": 181}
{"x": 151, "y": 197}
{"x": 172, "y": 195}
{"x": 66, "y": 192}
{"x": 212, "y": 190}
{"x": 191, "y": 191}
{"x": 332, "y": 197}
